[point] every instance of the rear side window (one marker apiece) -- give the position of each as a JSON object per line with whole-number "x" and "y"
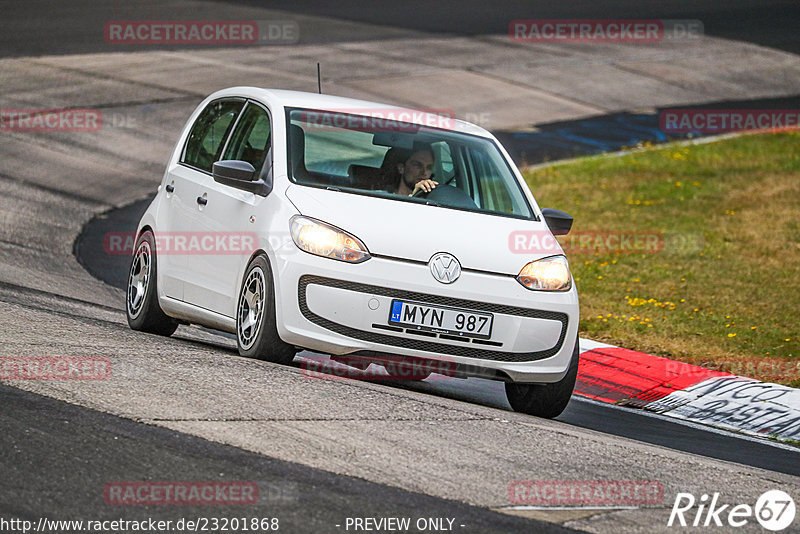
{"x": 250, "y": 141}
{"x": 207, "y": 138}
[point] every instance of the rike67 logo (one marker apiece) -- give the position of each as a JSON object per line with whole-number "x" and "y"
{"x": 774, "y": 510}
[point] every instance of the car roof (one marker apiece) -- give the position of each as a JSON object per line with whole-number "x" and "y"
{"x": 301, "y": 99}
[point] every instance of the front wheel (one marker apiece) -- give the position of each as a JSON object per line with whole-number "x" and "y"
{"x": 545, "y": 400}
{"x": 141, "y": 303}
{"x": 256, "y": 330}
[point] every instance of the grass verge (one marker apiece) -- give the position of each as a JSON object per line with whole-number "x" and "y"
{"x": 690, "y": 252}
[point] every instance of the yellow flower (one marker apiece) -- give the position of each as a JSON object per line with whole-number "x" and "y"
{"x": 788, "y": 339}
{"x": 732, "y": 334}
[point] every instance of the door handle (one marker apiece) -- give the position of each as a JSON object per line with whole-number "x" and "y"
{"x": 170, "y": 188}
{"x": 202, "y": 201}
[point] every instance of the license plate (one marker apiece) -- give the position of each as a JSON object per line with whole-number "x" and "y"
{"x": 441, "y": 319}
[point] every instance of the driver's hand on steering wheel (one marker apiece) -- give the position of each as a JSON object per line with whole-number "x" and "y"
{"x": 424, "y": 186}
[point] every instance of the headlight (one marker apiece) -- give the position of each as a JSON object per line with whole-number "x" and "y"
{"x": 547, "y": 274}
{"x": 321, "y": 239}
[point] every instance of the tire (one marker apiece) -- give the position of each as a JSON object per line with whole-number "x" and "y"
{"x": 141, "y": 300}
{"x": 256, "y": 330}
{"x": 545, "y": 400}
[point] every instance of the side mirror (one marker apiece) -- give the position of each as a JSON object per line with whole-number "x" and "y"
{"x": 234, "y": 169}
{"x": 241, "y": 175}
{"x": 560, "y": 223}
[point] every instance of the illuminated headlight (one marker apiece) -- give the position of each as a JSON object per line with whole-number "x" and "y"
{"x": 321, "y": 239}
{"x": 547, "y": 274}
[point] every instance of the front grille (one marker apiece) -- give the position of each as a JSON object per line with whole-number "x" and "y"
{"x": 422, "y": 344}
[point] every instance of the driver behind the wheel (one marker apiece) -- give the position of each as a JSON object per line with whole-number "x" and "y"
{"x": 414, "y": 173}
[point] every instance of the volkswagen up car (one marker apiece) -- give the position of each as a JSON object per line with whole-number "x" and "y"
{"x": 299, "y": 221}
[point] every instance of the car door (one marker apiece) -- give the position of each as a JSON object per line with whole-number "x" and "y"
{"x": 203, "y": 147}
{"x": 230, "y": 216}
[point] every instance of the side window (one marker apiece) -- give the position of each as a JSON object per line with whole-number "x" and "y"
{"x": 492, "y": 191}
{"x": 209, "y": 132}
{"x": 250, "y": 141}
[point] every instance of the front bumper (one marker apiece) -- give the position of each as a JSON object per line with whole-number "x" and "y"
{"x": 339, "y": 308}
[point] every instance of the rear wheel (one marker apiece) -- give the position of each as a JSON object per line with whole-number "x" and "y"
{"x": 141, "y": 303}
{"x": 545, "y": 400}
{"x": 256, "y": 330}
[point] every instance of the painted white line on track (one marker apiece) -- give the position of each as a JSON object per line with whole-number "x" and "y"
{"x": 588, "y": 344}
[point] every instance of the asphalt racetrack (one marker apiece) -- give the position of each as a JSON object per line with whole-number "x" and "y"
{"x": 188, "y": 408}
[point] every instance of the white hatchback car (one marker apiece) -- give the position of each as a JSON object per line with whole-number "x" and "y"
{"x": 369, "y": 232}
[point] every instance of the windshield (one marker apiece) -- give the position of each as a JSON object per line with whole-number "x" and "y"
{"x": 378, "y": 156}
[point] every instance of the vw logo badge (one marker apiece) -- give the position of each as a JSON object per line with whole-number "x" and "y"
{"x": 445, "y": 267}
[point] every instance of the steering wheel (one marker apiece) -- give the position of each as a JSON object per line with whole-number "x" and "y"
{"x": 423, "y": 194}
{"x": 447, "y": 195}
